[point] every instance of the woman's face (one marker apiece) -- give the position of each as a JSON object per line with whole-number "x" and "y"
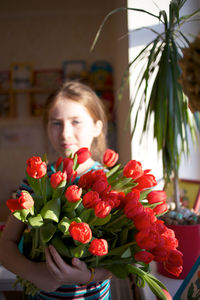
{"x": 70, "y": 127}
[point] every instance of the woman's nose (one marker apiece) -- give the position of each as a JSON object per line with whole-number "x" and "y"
{"x": 66, "y": 130}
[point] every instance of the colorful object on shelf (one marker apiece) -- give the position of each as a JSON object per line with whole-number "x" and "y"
{"x": 21, "y": 75}
{"x": 101, "y": 79}
{"x": 190, "y": 288}
{"x": 74, "y": 69}
{"x": 47, "y": 79}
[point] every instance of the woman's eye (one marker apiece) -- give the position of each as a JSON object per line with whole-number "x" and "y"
{"x": 76, "y": 122}
{"x": 55, "y": 123}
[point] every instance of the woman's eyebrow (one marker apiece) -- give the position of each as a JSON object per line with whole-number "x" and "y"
{"x": 70, "y": 118}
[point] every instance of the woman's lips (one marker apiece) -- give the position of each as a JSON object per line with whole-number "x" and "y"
{"x": 66, "y": 145}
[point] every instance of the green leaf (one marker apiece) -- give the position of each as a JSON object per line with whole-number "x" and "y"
{"x": 51, "y": 210}
{"x": 70, "y": 206}
{"x": 101, "y": 221}
{"x": 144, "y": 194}
{"x": 120, "y": 184}
{"x": 78, "y": 251}
{"x": 124, "y": 236}
{"x": 60, "y": 167}
{"x": 76, "y": 219}
{"x": 115, "y": 11}
{"x": 44, "y": 158}
{"x": 127, "y": 253}
{"x": 191, "y": 291}
{"x": 155, "y": 288}
{"x": 21, "y": 214}
{"x": 64, "y": 224}
{"x": 157, "y": 281}
{"x": 113, "y": 170}
{"x": 120, "y": 250}
{"x": 58, "y": 192}
{"x": 61, "y": 247}
{"x": 49, "y": 189}
{"x": 75, "y": 162}
{"x": 34, "y": 184}
{"x": 47, "y": 231}
{"x": 119, "y": 270}
{"x": 87, "y": 215}
{"x": 36, "y": 221}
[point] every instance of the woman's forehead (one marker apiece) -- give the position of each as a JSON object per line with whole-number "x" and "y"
{"x": 68, "y": 108}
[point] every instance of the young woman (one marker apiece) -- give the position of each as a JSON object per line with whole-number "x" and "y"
{"x": 75, "y": 119}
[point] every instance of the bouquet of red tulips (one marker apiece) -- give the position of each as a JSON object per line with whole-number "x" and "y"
{"x": 107, "y": 218}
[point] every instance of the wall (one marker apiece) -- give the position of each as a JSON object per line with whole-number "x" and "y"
{"x": 46, "y": 33}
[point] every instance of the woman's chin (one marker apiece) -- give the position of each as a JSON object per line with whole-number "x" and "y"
{"x": 69, "y": 152}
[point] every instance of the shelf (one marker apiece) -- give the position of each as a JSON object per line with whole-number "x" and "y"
{"x": 25, "y": 91}
{"x": 10, "y": 99}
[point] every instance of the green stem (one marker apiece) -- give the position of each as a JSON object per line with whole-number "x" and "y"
{"x": 131, "y": 226}
{"x": 40, "y": 186}
{"x": 92, "y": 221}
{"x": 35, "y": 243}
{"x": 116, "y": 220}
{"x": 44, "y": 190}
{"x": 116, "y": 250}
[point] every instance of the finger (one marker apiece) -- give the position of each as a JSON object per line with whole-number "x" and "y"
{"x": 56, "y": 257}
{"x": 51, "y": 265}
{"x": 102, "y": 274}
{"x": 79, "y": 264}
{"x": 62, "y": 266}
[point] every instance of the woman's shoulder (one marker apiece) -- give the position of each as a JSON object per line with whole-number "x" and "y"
{"x": 51, "y": 168}
{"x": 96, "y": 166}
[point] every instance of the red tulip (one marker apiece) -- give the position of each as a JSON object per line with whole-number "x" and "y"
{"x": 145, "y": 181}
{"x": 132, "y": 209}
{"x": 133, "y": 169}
{"x": 144, "y": 256}
{"x": 146, "y": 239}
{"x": 175, "y": 258}
{"x": 166, "y": 294}
{"x": 156, "y": 196}
{"x": 57, "y": 178}
{"x": 102, "y": 209}
{"x": 174, "y": 270}
{"x": 83, "y": 155}
{"x": 110, "y": 158}
{"x": 90, "y": 199}
{"x": 100, "y": 184}
{"x": 25, "y": 201}
{"x": 80, "y": 232}
{"x": 36, "y": 168}
{"x": 161, "y": 208}
{"x": 59, "y": 161}
{"x": 68, "y": 164}
{"x": 98, "y": 247}
{"x": 73, "y": 193}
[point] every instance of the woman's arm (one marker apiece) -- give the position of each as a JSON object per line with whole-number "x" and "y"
{"x": 14, "y": 261}
{"x": 46, "y": 276}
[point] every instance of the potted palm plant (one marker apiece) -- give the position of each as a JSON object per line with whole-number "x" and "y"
{"x": 163, "y": 97}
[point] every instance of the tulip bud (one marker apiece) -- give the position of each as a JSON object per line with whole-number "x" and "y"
{"x": 83, "y": 154}
{"x": 73, "y": 193}
{"x": 80, "y": 232}
{"x": 110, "y": 158}
{"x": 36, "y": 168}
{"x": 57, "y": 178}
{"x": 98, "y": 247}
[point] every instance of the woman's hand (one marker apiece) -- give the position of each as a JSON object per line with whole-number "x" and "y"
{"x": 77, "y": 273}
{"x": 43, "y": 279}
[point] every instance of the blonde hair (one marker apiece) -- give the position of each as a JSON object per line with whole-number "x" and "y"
{"x": 83, "y": 94}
